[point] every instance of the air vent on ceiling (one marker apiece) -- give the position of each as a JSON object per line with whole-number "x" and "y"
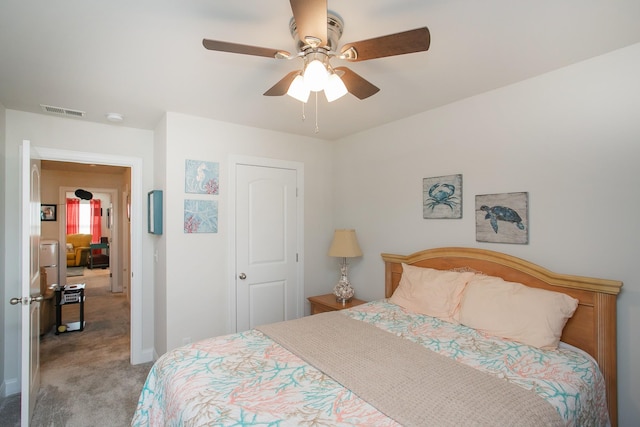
{"x": 62, "y": 111}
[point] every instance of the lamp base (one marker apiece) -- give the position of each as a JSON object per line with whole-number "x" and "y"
{"x": 343, "y": 290}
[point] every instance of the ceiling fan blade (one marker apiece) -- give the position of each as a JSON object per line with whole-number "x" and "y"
{"x": 282, "y": 86}
{"x": 357, "y": 85}
{"x": 311, "y": 19}
{"x": 242, "y": 48}
{"x": 417, "y": 40}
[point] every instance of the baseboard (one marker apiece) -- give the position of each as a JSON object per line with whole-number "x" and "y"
{"x": 146, "y": 355}
{"x": 9, "y": 387}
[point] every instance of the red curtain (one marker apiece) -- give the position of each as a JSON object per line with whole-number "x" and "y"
{"x": 73, "y": 216}
{"x": 96, "y": 221}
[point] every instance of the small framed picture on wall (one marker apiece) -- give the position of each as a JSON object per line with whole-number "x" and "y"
{"x": 48, "y": 212}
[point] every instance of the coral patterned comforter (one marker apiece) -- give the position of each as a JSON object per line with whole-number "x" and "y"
{"x": 248, "y": 379}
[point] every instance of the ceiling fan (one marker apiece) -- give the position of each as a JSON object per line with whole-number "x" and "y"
{"x": 316, "y": 32}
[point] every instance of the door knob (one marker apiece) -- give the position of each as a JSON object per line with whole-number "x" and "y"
{"x": 29, "y": 300}
{"x": 242, "y": 276}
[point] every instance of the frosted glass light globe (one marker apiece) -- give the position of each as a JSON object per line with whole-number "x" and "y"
{"x": 298, "y": 90}
{"x": 315, "y": 76}
{"x": 335, "y": 88}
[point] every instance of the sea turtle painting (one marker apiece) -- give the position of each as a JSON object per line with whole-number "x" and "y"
{"x": 501, "y": 213}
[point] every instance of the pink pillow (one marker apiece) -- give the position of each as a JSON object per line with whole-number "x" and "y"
{"x": 436, "y": 293}
{"x": 514, "y": 311}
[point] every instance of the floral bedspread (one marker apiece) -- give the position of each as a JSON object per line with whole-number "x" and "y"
{"x": 246, "y": 379}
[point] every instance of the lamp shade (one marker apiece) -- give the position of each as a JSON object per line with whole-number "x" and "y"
{"x": 345, "y": 244}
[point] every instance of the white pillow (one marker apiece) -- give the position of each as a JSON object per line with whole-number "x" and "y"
{"x": 429, "y": 291}
{"x": 514, "y": 311}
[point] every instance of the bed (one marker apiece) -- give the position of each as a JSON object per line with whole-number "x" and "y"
{"x": 382, "y": 364}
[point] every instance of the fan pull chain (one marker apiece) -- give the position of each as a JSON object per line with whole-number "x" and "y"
{"x": 303, "y": 115}
{"x": 317, "y": 128}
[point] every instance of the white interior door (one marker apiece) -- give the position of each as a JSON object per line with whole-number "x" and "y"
{"x": 30, "y": 279}
{"x": 267, "y": 288}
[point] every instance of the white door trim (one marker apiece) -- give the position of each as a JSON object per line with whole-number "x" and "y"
{"x": 137, "y": 355}
{"x": 234, "y": 161}
{"x": 114, "y": 265}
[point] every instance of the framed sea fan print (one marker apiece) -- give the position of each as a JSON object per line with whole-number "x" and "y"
{"x": 200, "y": 216}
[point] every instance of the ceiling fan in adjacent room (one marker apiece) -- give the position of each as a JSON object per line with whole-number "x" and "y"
{"x": 316, "y": 32}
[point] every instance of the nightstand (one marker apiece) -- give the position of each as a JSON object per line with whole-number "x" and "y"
{"x": 324, "y": 303}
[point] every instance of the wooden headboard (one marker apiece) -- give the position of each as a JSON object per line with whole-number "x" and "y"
{"x": 592, "y": 327}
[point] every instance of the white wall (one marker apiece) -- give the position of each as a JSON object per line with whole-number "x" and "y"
{"x": 196, "y": 264}
{"x": 79, "y": 136}
{"x": 570, "y": 138}
{"x": 160, "y": 243}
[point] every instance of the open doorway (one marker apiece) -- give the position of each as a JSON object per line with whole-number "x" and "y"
{"x": 100, "y": 217}
{"x": 131, "y": 209}
{"x": 88, "y": 225}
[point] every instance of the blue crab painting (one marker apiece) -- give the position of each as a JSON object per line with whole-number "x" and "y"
{"x": 501, "y": 213}
{"x": 442, "y": 194}
{"x": 442, "y": 197}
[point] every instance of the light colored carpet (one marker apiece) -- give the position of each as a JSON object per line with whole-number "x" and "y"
{"x": 87, "y": 379}
{"x": 75, "y": 271}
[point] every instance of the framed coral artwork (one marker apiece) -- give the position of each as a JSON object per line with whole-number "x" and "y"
{"x": 442, "y": 197}
{"x": 201, "y": 177}
{"x": 200, "y": 216}
{"x": 502, "y": 218}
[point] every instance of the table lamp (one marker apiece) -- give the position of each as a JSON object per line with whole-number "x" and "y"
{"x": 344, "y": 245}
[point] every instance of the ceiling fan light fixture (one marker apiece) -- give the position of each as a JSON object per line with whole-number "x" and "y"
{"x": 334, "y": 88}
{"x": 298, "y": 89}
{"x": 316, "y": 76}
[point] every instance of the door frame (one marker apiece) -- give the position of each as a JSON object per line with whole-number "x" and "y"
{"x": 234, "y": 162}
{"x": 137, "y": 353}
{"x": 114, "y": 249}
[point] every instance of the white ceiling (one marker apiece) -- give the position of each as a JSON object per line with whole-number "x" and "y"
{"x": 145, "y": 57}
